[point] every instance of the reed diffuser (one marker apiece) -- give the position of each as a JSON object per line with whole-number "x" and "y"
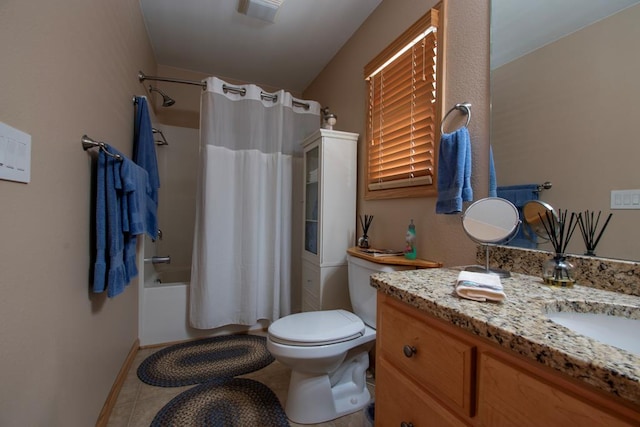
{"x": 589, "y": 227}
{"x": 558, "y": 271}
{"x": 365, "y": 223}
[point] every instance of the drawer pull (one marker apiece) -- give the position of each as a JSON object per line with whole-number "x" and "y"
{"x": 409, "y": 351}
{"x": 406, "y": 424}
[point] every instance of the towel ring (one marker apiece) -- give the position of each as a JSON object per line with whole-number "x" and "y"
{"x": 465, "y": 107}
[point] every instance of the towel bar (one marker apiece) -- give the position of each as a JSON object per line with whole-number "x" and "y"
{"x": 88, "y": 143}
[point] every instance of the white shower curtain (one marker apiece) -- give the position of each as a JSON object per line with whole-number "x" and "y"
{"x": 250, "y": 159}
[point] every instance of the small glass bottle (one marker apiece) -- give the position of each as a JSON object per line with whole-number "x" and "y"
{"x": 558, "y": 272}
{"x": 410, "y": 248}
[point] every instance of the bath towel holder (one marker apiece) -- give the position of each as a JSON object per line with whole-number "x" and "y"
{"x": 464, "y": 107}
{"x": 88, "y": 143}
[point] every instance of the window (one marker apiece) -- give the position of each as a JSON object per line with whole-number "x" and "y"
{"x": 403, "y": 110}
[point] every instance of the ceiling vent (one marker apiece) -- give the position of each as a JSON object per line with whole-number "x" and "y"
{"x": 260, "y": 9}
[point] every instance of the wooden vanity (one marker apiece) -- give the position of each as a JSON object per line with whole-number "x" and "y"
{"x": 444, "y": 361}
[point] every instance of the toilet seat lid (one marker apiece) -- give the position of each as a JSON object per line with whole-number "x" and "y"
{"x": 316, "y": 328}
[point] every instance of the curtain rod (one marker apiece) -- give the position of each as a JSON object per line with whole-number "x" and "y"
{"x": 241, "y": 91}
{"x": 143, "y": 77}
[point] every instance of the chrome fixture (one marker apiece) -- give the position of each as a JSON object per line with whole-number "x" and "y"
{"x": 88, "y": 143}
{"x": 158, "y": 260}
{"x": 167, "y": 101}
{"x": 162, "y": 140}
{"x": 142, "y": 77}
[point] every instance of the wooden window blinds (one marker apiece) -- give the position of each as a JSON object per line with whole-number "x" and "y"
{"x": 402, "y": 107}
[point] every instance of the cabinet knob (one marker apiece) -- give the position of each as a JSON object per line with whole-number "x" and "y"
{"x": 406, "y": 424}
{"x": 409, "y": 351}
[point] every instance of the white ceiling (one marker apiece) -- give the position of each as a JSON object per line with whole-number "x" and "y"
{"x": 520, "y": 26}
{"x": 212, "y": 37}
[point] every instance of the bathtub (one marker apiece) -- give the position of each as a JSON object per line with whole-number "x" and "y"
{"x": 163, "y": 310}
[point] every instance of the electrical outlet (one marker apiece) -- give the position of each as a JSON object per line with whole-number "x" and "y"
{"x": 625, "y": 199}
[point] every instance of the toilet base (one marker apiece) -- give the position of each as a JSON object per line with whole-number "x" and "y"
{"x": 315, "y": 399}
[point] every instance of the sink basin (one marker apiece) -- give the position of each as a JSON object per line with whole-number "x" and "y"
{"x": 618, "y": 331}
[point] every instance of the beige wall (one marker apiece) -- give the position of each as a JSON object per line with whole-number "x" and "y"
{"x": 568, "y": 113}
{"x": 68, "y": 68}
{"x": 341, "y": 86}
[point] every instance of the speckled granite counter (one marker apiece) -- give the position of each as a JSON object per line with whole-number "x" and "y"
{"x": 519, "y": 323}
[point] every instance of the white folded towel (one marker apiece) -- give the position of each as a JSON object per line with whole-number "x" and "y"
{"x": 479, "y": 286}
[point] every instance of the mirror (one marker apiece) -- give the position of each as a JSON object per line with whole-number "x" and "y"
{"x": 490, "y": 221}
{"x": 565, "y": 105}
{"x": 532, "y": 225}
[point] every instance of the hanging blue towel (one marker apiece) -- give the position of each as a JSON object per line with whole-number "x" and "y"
{"x": 120, "y": 213}
{"x": 454, "y": 171}
{"x": 144, "y": 154}
{"x": 116, "y": 273}
{"x": 519, "y": 195}
{"x": 100, "y": 265}
{"x": 493, "y": 182}
{"x": 133, "y": 186}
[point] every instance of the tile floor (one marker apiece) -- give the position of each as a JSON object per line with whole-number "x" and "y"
{"x": 138, "y": 403}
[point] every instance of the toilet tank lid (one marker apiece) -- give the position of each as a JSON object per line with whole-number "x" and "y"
{"x": 317, "y": 327}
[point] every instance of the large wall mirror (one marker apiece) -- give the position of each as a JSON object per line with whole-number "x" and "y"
{"x": 565, "y": 94}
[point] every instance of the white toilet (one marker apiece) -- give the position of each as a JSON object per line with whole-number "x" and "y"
{"x": 328, "y": 351}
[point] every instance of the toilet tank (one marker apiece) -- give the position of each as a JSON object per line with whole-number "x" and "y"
{"x": 361, "y": 293}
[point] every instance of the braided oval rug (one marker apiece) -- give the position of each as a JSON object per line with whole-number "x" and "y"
{"x": 199, "y": 361}
{"x": 226, "y": 402}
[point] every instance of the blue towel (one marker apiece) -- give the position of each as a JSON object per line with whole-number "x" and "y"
{"x": 493, "y": 182}
{"x": 133, "y": 185}
{"x": 120, "y": 214}
{"x": 519, "y": 195}
{"x": 144, "y": 154}
{"x": 100, "y": 265}
{"x": 454, "y": 171}
{"x": 116, "y": 273}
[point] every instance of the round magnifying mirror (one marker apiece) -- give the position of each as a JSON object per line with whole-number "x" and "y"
{"x": 490, "y": 221}
{"x": 532, "y": 211}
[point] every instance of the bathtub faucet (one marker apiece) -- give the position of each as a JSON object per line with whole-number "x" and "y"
{"x": 158, "y": 260}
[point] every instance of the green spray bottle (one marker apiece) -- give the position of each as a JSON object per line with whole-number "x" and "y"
{"x": 410, "y": 249}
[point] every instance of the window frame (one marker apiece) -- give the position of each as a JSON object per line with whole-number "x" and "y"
{"x": 433, "y": 17}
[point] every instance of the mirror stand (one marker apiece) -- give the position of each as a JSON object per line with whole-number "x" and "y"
{"x": 503, "y": 274}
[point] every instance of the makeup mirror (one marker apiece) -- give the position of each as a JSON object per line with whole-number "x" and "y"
{"x": 531, "y": 213}
{"x": 490, "y": 221}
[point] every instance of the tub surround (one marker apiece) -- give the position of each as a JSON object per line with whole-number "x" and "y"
{"x": 519, "y": 324}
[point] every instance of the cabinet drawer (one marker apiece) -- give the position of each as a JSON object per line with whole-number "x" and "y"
{"x": 510, "y": 396}
{"x": 434, "y": 359}
{"x": 399, "y": 401}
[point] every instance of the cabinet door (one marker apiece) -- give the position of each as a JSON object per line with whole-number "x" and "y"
{"x": 311, "y": 200}
{"x": 510, "y": 396}
{"x": 434, "y": 358}
{"x": 310, "y": 287}
{"x": 400, "y": 403}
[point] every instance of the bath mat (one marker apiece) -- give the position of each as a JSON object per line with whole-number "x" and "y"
{"x": 224, "y": 402}
{"x": 204, "y": 360}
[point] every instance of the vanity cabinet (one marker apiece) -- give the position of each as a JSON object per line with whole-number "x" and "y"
{"x": 330, "y": 178}
{"x": 429, "y": 372}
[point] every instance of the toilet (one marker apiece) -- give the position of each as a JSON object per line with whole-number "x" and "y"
{"x": 328, "y": 351}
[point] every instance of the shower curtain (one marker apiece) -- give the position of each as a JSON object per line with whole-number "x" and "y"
{"x": 250, "y": 159}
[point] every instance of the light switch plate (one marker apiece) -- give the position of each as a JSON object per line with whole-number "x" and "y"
{"x": 15, "y": 154}
{"x": 625, "y": 199}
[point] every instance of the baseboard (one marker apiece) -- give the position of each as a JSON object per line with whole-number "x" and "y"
{"x": 103, "y": 418}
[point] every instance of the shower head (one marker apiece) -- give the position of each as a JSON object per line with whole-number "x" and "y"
{"x": 167, "y": 101}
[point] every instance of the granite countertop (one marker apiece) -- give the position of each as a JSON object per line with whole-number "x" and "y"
{"x": 519, "y": 323}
